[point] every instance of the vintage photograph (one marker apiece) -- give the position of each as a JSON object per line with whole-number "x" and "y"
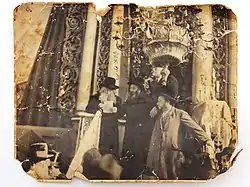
{"x": 125, "y": 93}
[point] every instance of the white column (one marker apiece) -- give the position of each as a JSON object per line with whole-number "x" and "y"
{"x": 97, "y": 54}
{"x": 87, "y": 60}
{"x": 232, "y": 74}
{"x": 203, "y": 61}
{"x": 115, "y": 54}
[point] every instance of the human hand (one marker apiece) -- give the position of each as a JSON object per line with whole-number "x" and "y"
{"x": 54, "y": 171}
{"x": 153, "y": 112}
{"x": 210, "y": 151}
{"x": 108, "y": 107}
{"x": 114, "y": 109}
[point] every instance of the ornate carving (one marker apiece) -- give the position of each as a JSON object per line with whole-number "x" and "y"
{"x": 139, "y": 62}
{"x": 103, "y": 58}
{"x": 220, "y": 43}
{"x": 177, "y": 25}
{"x": 72, "y": 55}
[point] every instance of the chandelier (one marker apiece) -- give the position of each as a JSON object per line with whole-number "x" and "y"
{"x": 179, "y": 24}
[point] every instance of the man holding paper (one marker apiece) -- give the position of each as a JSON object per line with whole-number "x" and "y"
{"x": 109, "y": 104}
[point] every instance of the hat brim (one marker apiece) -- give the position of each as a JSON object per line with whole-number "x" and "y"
{"x": 166, "y": 96}
{"x": 47, "y": 156}
{"x": 112, "y": 87}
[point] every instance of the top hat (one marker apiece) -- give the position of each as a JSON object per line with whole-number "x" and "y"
{"x": 41, "y": 150}
{"x": 109, "y": 82}
{"x": 138, "y": 81}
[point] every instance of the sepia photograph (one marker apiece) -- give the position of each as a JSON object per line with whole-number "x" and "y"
{"x": 126, "y": 93}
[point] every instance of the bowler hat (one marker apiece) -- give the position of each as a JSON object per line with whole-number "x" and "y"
{"x": 109, "y": 82}
{"x": 137, "y": 81}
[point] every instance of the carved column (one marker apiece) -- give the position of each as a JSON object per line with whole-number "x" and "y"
{"x": 203, "y": 60}
{"x": 103, "y": 49}
{"x": 115, "y": 54}
{"x": 87, "y": 60}
{"x": 232, "y": 74}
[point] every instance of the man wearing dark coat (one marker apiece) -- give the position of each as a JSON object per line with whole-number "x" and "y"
{"x": 138, "y": 129}
{"x": 110, "y": 104}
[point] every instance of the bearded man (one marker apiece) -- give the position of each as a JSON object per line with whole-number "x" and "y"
{"x": 110, "y": 104}
{"x": 138, "y": 129}
{"x": 164, "y": 156}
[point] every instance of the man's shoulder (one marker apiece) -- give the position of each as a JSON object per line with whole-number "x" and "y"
{"x": 180, "y": 111}
{"x": 95, "y": 96}
{"x": 118, "y": 98}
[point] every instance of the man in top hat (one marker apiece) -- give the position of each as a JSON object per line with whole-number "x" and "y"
{"x": 167, "y": 139}
{"x": 110, "y": 104}
{"x": 40, "y": 165}
{"x": 138, "y": 129}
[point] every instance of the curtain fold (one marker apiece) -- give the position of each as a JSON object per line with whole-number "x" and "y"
{"x": 43, "y": 103}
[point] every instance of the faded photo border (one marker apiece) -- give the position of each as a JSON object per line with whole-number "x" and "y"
{"x": 231, "y": 178}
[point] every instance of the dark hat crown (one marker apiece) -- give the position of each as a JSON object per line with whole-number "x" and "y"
{"x": 109, "y": 82}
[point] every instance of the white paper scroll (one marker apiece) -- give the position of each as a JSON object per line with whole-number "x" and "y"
{"x": 89, "y": 138}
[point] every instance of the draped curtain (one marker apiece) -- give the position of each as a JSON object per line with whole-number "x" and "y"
{"x": 49, "y": 98}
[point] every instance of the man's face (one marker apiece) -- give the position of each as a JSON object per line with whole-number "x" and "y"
{"x": 161, "y": 102}
{"x": 103, "y": 94}
{"x": 157, "y": 72}
{"x": 104, "y": 90}
{"x": 165, "y": 72}
{"x": 134, "y": 90}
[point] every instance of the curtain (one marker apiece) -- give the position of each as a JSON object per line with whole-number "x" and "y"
{"x": 50, "y": 95}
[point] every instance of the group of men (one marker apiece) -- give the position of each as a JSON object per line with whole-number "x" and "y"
{"x": 154, "y": 137}
{"x": 155, "y": 142}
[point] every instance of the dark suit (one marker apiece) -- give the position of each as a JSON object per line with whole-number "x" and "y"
{"x": 108, "y": 142}
{"x": 138, "y": 130}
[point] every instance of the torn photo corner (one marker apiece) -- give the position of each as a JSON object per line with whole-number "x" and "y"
{"x": 125, "y": 93}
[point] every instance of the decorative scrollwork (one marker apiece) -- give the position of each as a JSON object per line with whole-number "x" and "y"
{"x": 176, "y": 24}
{"x": 103, "y": 58}
{"x": 72, "y": 55}
{"x": 220, "y": 42}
